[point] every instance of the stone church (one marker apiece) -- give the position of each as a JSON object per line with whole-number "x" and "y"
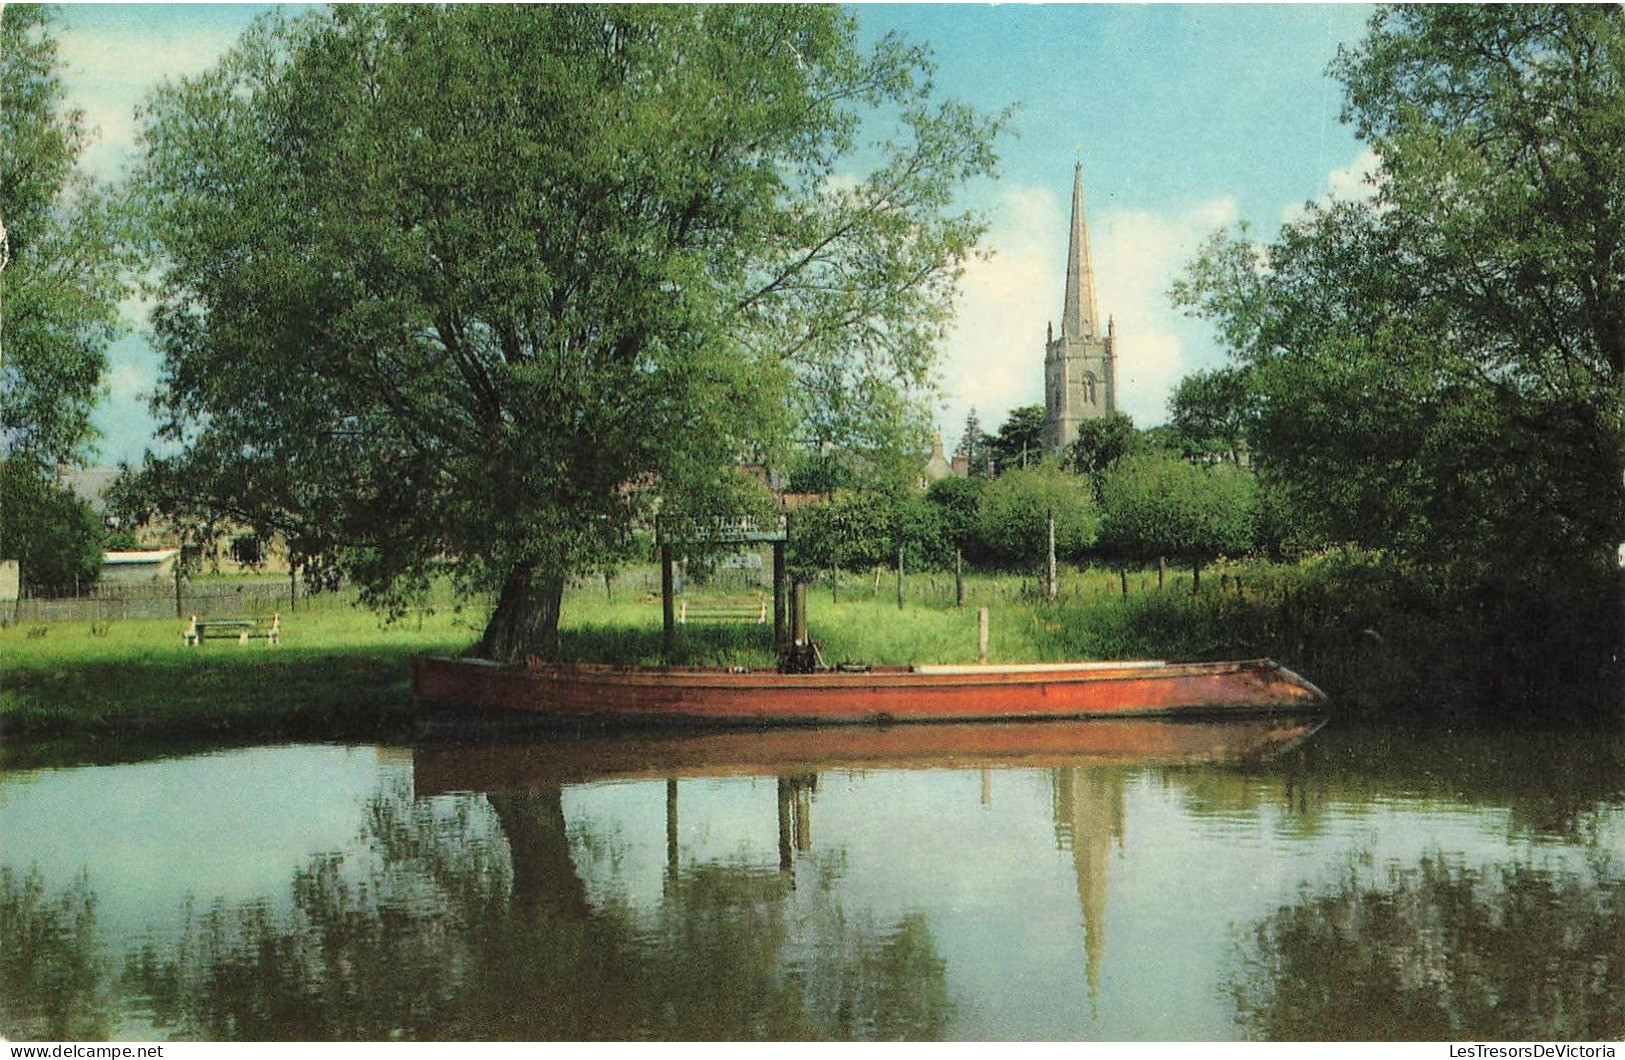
{"x": 1080, "y": 364}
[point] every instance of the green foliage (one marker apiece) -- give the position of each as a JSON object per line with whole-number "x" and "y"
{"x": 479, "y": 285}
{"x": 122, "y": 541}
{"x": 1439, "y": 370}
{"x": 1159, "y": 505}
{"x": 957, "y": 499}
{"x": 1209, "y": 411}
{"x": 1423, "y": 951}
{"x": 1012, "y": 516}
{"x": 1100, "y": 444}
{"x": 62, "y": 259}
{"x": 921, "y": 531}
{"x": 55, "y": 537}
{"x": 974, "y": 445}
{"x": 1020, "y": 441}
{"x": 820, "y": 473}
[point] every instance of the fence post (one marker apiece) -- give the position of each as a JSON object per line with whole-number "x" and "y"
{"x": 981, "y": 635}
{"x": 1049, "y": 564}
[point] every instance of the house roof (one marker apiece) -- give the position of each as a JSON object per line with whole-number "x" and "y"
{"x": 157, "y": 555}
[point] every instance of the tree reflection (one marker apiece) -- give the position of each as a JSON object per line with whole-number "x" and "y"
{"x": 1442, "y": 951}
{"x": 452, "y": 933}
{"x": 54, "y": 973}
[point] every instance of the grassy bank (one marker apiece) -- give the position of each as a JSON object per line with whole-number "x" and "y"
{"x": 338, "y": 673}
{"x": 1384, "y": 642}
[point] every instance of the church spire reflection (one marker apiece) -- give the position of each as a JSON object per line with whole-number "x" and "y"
{"x": 1089, "y": 814}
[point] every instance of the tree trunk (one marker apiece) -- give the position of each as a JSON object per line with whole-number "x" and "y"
{"x": 526, "y": 619}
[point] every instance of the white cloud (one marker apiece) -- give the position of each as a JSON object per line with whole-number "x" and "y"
{"x": 994, "y": 359}
{"x": 129, "y": 382}
{"x": 108, "y": 72}
{"x": 1351, "y": 183}
{"x": 1137, "y": 256}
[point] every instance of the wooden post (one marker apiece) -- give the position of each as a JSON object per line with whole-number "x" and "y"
{"x": 1122, "y": 572}
{"x": 609, "y": 594}
{"x": 981, "y": 635}
{"x": 899, "y": 577}
{"x": 959, "y": 577}
{"x": 798, "y": 612}
{"x": 1049, "y": 564}
{"x": 668, "y": 608}
{"x": 785, "y": 825}
{"x": 1162, "y": 572}
{"x": 293, "y": 586}
{"x": 778, "y": 595}
{"x": 671, "y": 828}
{"x": 834, "y": 584}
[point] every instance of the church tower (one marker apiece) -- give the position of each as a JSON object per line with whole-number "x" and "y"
{"x": 1080, "y": 364}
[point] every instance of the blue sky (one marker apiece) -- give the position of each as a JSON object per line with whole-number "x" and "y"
{"x": 1186, "y": 118}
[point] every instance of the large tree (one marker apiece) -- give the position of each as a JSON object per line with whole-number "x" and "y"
{"x": 1440, "y": 369}
{"x": 1161, "y": 506}
{"x": 1208, "y": 413}
{"x": 53, "y": 534}
{"x": 1013, "y": 516}
{"x": 1019, "y": 442}
{"x": 61, "y": 265}
{"x": 481, "y": 285}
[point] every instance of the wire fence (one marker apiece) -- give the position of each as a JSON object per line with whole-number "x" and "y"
{"x": 107, "y": 603}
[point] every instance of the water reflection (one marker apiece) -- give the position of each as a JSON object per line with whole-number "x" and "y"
{"x": 54, "y": 974}
{"x": 441, "y": 939}
{"x": 1011, "y": 882}
{"x": 1438, "y": 951}
{"x": 1089, "y": 815}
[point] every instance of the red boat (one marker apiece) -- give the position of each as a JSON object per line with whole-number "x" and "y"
{"x": 879, "y": 694}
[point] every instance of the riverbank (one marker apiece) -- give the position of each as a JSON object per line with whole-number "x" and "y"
{"x": 1382, "y": 642}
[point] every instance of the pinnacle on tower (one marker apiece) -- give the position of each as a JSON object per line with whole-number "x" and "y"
{"x": 1078, "y": 320}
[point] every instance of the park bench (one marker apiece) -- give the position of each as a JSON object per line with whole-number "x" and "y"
{"x": 241, "y": 630}
{"x": 736, "y": 610}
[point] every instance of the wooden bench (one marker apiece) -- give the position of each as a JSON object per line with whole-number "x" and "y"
{"x": 723, "y": 611}
{"x": 241, "y": 630}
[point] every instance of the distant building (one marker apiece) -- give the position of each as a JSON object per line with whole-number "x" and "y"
{"x": 129, "y": 568}
{"x": 937, "y": 466}
{"x": 1080, "y": 364}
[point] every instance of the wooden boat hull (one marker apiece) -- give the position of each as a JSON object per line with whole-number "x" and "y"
{"x": 786, "y": 751}
{"x": 882, "y": 695}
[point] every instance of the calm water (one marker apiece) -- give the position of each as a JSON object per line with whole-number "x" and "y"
{"x": 1124, "y": 887}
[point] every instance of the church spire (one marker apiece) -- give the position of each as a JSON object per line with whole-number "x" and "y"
{"x": 1078, "y": 320}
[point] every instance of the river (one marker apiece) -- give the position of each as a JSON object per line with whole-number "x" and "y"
{"x": 1151, "y": 882}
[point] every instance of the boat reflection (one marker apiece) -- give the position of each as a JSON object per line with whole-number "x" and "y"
{"x": 563, "y": 759}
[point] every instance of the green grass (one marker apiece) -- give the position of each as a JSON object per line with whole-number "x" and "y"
{"x": 338, "y": 673}
{"x": 1379, "y": 638}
